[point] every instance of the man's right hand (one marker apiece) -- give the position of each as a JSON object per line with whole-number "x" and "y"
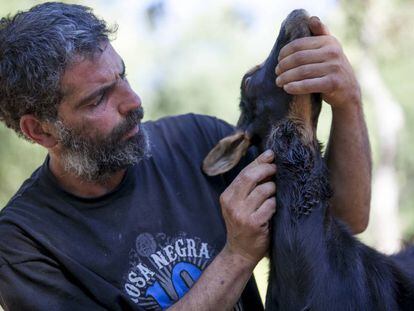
{"x": 247, "y": 206}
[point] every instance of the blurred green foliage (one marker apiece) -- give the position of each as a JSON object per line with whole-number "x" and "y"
{"x": 393, "y": 53}
{"x": 397, "y": 66}
{"x": 18, "y": 158}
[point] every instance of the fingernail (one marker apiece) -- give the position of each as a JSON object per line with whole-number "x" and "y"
{"x": 268, "y": 154}
{"x": 278, "y": 81}
{"x": 277, "y": 70}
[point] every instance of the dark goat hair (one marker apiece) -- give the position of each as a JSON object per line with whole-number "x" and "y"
{"x": 315, "y": 262}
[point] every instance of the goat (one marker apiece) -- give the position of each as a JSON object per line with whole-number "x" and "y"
{"x": 315, "y": 262}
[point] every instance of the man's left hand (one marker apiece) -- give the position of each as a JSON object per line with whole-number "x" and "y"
{"x": 318, "y": 65}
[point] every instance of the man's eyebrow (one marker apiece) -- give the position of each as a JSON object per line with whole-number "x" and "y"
{"x": 95, "y": 93}
{"x": 101, "y": 89}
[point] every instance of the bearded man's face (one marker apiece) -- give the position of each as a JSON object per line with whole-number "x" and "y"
{"x": 98, "y": 124}
{"x": 97, "y": 158}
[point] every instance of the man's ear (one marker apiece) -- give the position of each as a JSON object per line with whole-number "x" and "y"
{"x": 226, "y": 154}
{"x": 38, "y": 131}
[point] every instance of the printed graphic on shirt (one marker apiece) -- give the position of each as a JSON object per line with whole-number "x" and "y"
{"x": 163, "y": 268}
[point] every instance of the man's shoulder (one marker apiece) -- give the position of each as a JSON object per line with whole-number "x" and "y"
{"x": 16, "y": 246}
{"x": 23, "y": 216}
{"x": 11, "y": 240}
{"x": 28, "y": 200}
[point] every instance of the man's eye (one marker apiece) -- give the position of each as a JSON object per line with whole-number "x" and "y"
{"x": 99, "y": 100}
{"x": 123, "y": 75}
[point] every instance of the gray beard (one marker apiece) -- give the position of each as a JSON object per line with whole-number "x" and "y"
{"x": 97, "y": 159}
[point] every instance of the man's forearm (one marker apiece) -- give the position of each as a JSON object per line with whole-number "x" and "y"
{"x": 318, "y": 64}
{"x": 247, "y": 205}
{"x": 220, "y": 285}
{"x": 349, "y": 160}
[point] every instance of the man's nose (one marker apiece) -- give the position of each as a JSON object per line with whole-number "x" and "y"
{"x": 130, "y": 102}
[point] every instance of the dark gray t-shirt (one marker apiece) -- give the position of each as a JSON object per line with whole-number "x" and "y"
{"x": 139, "y": 247}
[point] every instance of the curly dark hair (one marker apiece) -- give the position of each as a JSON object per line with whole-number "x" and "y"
{"x": 35, "y": 48}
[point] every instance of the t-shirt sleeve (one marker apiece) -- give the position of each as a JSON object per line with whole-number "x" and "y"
{"x": 36, "y": 285}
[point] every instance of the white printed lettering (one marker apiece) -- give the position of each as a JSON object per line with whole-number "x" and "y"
{"x": 145, "y": 271}
{"x": 132, "y": 290}
{"x": 159, "y": 259}
{"x": 204, "y": 251}
{"x": 179, "y": 249}
{"x": 192, "y": 252}
{"x": 169, "y": 250}
{"x": 132, "y": 277}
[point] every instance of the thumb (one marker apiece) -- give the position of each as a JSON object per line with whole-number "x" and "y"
{"x": 317, "y": 27}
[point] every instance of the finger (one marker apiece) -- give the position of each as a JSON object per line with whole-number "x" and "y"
{"x": 249, "y": 177}
{"x": 266, "y": 157}
{"x": 303, "y": 72}
{"x": 257, "y": 171}
{"x": 259, "y": 195}
{"x": 264, "y": 213}
{"x": 317, "y": 27}
{"x": 299, "y": 58}
{"x": 301, "y": 44}
{"x": 324, "y": 84}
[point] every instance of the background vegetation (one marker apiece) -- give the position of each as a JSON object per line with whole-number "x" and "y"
{"x": 189, "y": 56}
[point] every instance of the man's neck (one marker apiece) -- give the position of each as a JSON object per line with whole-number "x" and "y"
{"x": 78, "y": 186}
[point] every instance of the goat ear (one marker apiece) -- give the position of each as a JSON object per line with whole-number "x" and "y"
{"x": 226, "y": 154}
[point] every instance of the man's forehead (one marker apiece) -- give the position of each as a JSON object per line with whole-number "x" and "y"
{"x": 88, "y": 70}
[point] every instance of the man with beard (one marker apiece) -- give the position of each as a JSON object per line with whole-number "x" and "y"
{"x": 105, "y": 223}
